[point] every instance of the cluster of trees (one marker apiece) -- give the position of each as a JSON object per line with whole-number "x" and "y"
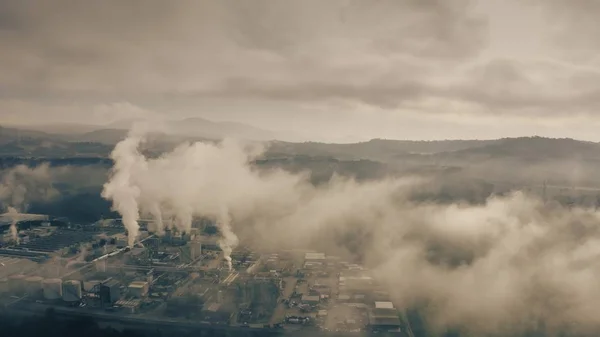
{"x": 50, "y": 325}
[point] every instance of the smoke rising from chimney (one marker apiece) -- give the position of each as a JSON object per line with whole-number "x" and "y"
{"x": 21, "y": 185}
{"x": 498, "y": 267}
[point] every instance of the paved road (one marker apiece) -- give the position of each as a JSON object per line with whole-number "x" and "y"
{"x": 279, "y": 313}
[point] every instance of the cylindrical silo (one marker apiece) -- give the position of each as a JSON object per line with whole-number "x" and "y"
{"x": 33, "y": 285}
{"x": 16, "y": 283}
{"x": 72, "y": 291}
{"x": 52, "y": 288}
{"x": 4, "y": 286}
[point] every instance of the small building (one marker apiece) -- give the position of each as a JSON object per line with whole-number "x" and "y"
{"x": 388, "y": 324}
{"x": 312, "y": 300}
{"x": 385, "y": 312}
{"x": 138, "y": 289}
{"x": 359, "y": 298}
{"x": 384, "y": 305}
{"x": 129, "y": 306}
{"x": 343, "y": 298}
{"x": 110, "y": 292}
{"x": 314, "y": 257}
{"x": 312, "y": 265}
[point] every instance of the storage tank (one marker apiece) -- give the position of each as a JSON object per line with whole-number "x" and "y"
{"x": 52, "y": 288}
{"x": 16, "y": 283}
{"x": 4, "y": 286}
{"x": 71, "y": 291}
{"x": 33, "y": 285}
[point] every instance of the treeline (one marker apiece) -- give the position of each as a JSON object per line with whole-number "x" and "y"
{"x": 9, "y": 162}
{"x": 51, "y": 325}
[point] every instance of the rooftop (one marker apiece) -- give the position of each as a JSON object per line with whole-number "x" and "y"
{"x": 384, "y": 305}
{"x": 314, "y": 256}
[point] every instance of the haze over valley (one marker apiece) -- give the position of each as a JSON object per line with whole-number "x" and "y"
{"x": 406, "y": 168}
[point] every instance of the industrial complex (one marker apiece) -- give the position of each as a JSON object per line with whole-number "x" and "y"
{"x": 182, "y": 279}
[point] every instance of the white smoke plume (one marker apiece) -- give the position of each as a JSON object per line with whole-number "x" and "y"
{"x": 501, "y": 267}
{"x": 121, "y": 188}
{"x": 228, "y": 239}
{"x": 14, "y": 215}
{"x": 22, "y": 185}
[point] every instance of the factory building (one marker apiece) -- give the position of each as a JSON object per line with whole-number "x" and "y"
{"x": 110, "y": 292}
{"x": 129, "y": 306}
{"x": 384, "y": 317}
{"x": 314, "y": 261}
{"x": 311, "y": 299}
{"x": 138, "y": 289}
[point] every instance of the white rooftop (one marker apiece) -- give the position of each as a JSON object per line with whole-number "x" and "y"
{"x": 384, "y": 305}
{"x": 314, "y": 256}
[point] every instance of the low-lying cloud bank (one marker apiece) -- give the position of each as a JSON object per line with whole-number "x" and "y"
{"x": 504, "y": 266}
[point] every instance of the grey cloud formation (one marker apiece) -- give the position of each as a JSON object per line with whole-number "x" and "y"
{"x": 280, "y": 49}
{"x": 400, "y": 58}
{"x": 535, "y": 88}
{"x": 575, "y": 25}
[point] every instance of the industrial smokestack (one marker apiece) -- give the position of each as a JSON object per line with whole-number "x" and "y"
{"x": 14, "y": 219}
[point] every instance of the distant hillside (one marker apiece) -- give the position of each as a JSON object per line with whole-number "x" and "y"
{"x": 190, "y": 127}
{"x": 13, "y": 135}
{"x": 536, "y": 148}
{"x": 15, "y": 142}
{"x": 376, "y": 149}
{"x": 27, "y": 143}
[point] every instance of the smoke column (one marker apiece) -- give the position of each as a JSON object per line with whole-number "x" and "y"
{"x": 21, "y": 185}
{"x": 121, "y": 189}
{"x": 14, "y": 214}
{"x": 228, "y": 239}
{"x": 500, "y": 267}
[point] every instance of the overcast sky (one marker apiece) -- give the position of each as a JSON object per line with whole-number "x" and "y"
{"x": 330, "y": 70}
